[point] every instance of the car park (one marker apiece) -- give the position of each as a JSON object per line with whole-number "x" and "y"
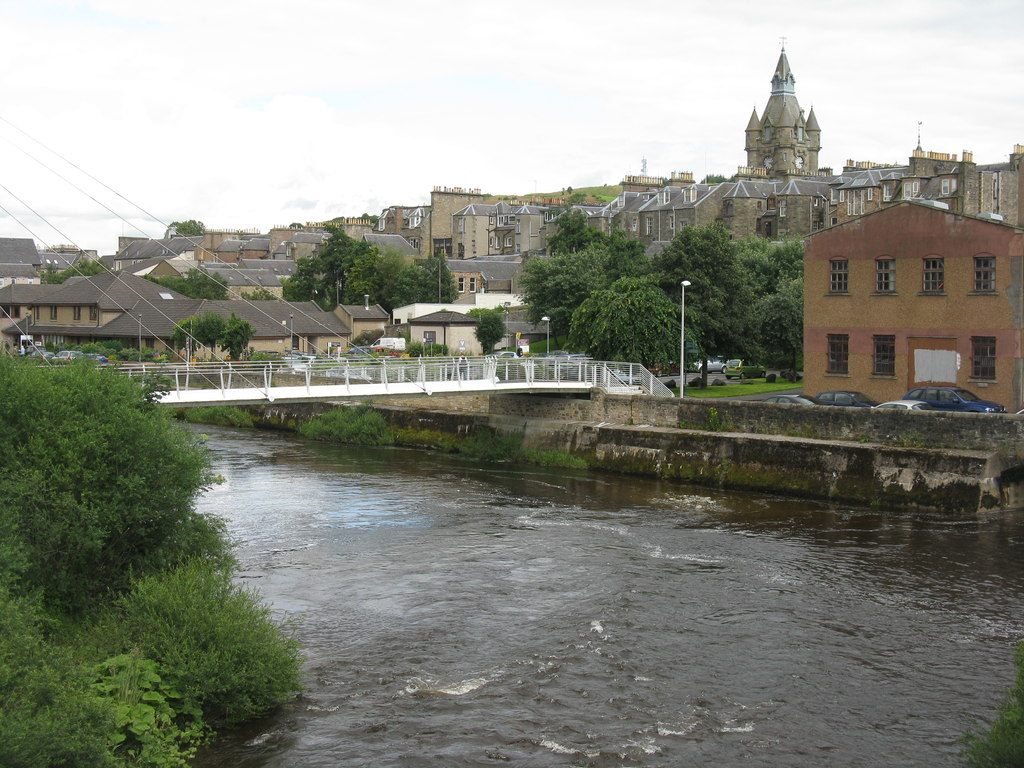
{"x": 905, "y": 405}
{"x": 791, "y": 400}
{"x": 953, "y": 399}
{"x": 845, "y": 397}
{"x": 741, "y": 369}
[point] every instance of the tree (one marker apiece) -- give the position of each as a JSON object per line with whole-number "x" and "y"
{"x": 556, "y": 286}
{"x": 717, "y": 178}
{"x": 259, "y": 294}
{"x": 573, "y": 234}
{"x": 208, "y": 328}
{"x": 235, "y": 336}
{"x": 779, "y": 320}
{"x": 719, "y": 300}
{"x": 490, "y": 327}
{"x": 633, "y": 320}
{"x": 769, "y": 265}
{"x": 187, "y": 228}
{"x": 195, "y": 284}
{"x": 324, "y": 277}
{"x": 98, "y": 486}
{"x": 81, "y": 268}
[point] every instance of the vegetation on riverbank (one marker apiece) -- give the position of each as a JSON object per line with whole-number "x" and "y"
{"x": 123, "y": 639}
{"x": 1002, "y": 746}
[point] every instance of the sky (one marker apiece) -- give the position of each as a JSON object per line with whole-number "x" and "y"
{"x": 120, "y": 116}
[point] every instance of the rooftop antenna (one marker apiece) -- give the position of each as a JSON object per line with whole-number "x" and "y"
{"x": 919, "y": 134}
{"x": 643, "y": 166}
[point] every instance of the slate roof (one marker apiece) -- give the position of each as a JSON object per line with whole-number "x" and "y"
{"x": 491, "y": 270}
{"x": 18, "y": 250}
{"x": 361, "y": 312}
{"x": 18, "y": 270}
{"x": 110, "y": 291}
{"x": 236, "y": 277}
{"x": 444, "y": 317}
{"x": 379, "y": 240}
{"x": 148, "y": 249}
{"x": 20, "y": 293}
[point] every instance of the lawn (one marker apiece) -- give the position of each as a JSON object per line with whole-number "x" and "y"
{"x": 755, "y": 387}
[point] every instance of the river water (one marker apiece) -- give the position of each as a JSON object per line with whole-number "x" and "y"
{"x": 456, "y": 613}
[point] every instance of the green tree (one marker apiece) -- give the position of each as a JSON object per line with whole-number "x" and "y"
{"x": 779, "y": 323}
{"x": 556, "y": 286}
{"x": 717, "y": 178}
{"x": 81, "y": 268}
{"x": 769, "y": 265}
{"x": 188, "y": 228}
{"x": 573, "y": 234}
{"x": 718, "y": 301}
{"x": 633, "y": 321}
{"x": 208, "y": 329}
{"x": 235, "y": 336}
{"x": 259, "y": 294}
{"x": 98, "y": 485}
{"x": 490, "y": 327}
{"x": 195, "y": 284}
{"x": 325, "y": 276}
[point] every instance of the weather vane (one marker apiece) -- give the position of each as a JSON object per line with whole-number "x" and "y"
{"x": 783, "y": 41}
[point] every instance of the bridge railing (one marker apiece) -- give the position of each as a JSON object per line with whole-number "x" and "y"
{"x": 465, "y": 372}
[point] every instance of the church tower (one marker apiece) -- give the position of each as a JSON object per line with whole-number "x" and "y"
{"x": 782, "y": 140}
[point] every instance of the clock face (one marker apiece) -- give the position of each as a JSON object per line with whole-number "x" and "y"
{"x": 799, "y": 162}
{"x": 768, "y": 162}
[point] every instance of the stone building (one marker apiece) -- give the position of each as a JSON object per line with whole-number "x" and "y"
{"x": 911, "y": 294}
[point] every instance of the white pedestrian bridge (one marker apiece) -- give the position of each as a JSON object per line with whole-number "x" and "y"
{"x": 299, "y": 380}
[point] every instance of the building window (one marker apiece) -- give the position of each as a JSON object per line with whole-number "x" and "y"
{"x": 76, "y": 313}
{"x": 885, "y": 356}
{"x": 871, "y": 193}
{"x": 53, "y": 313}
{"x": 885, "y": 275}
{"x": 983, "y": 357}
{"x": 855, "y": 202}
{"x": 948, "y": 187}
{"x": 462, "y": 285}
{"x": 649, "y": 221}
{"x": 839, "y": 276}
{"x": 472, "y": 285}
{"x": 442, "y": 246}
{"x": 461, "y": 226}
{"x": 984, "y": 274}
{"x": 910, "y": 189}
{"x": 887, "y": 191}
{"x": 838, "y": 353}
{"x": 494, "y": 242}
{"x": 671, "y": 222}
{"x": 934, "y": 275}
{"x": 508, "y": 241}
{"x": 782, "y": 209}
{"x": 634, "y": 225}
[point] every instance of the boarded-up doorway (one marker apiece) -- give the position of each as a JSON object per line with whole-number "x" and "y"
{"x": 931, "y": 361}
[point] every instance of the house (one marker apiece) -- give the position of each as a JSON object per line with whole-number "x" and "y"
{"x": 452, "y": 329}
{"x": 363, "y": 318}
{"x": 915, "y": 293}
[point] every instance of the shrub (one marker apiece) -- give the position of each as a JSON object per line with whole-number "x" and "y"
{"x": 214, "y": 641}
{"x": 553, "y": 459}
{"x": 360, "y": 426}
{"x": 1003, "y": 745}
{"x": 48, "y": 716}
{"x": 98, "y": 484}
{"x": 224, "y": 415}
{"x": 489, "y": 446}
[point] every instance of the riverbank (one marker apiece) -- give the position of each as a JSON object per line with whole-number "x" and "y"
{"x": 886, "y": 459}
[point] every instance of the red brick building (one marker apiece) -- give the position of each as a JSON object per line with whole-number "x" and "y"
{"x": 914, "y": 294}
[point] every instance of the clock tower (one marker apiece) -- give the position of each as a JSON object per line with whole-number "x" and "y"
{"x": 782, "y": 140}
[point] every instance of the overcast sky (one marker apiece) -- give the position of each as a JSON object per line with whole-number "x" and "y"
{"x": 251, "y": 114}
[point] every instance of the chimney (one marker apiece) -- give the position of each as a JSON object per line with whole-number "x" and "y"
{"x": 366, "y": 301}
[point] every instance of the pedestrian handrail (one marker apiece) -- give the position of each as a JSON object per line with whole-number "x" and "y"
{"x": 317, "y": 379}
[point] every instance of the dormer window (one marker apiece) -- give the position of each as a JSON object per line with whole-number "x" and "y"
{"x": 948, "y": 186}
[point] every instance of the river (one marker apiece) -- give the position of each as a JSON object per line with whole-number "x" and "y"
{"x": 457, "y": 613}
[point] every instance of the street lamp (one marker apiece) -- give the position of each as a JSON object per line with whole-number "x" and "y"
{"x": 547, "y": 333}
{"x": 682, "y": 338}
{"x": 291, "y": 332}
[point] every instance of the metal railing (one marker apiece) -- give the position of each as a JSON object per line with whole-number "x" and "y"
{"x": 321, "y": 378}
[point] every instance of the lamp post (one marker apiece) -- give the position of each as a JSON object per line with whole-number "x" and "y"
{"x": 682, "y": 338}
{"x": 140, "y": 338}
{"x": 547, "y": 333}
{"x": 291, "y": 332}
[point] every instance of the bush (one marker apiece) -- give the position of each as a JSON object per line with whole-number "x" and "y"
{"x": 48, "y": 716}
{"x": 488, "y": 446}
{"x": 98, "y": 484}
{"x": 214, "y": 640}
{"x": 1003, "y": 745}
{"x": 360, "y": 426}
{"x": 223, "y": 415}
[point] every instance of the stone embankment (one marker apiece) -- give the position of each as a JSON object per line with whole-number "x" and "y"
{"x": 954, "y": 463}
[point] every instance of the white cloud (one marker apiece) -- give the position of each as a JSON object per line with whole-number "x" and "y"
{"x": 251, "y": 114}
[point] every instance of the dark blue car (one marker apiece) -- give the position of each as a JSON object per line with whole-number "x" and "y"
{"x": 953, "y": 399}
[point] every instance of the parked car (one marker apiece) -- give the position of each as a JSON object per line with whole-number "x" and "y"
{"x": 791, "y": 399}
{"x": 68, "y": 354}
{"x": 953, "y": 399}
{"x": 846, "y": 398}
{"x": 905, "y": 405}
{"x": 741, "y": 369}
